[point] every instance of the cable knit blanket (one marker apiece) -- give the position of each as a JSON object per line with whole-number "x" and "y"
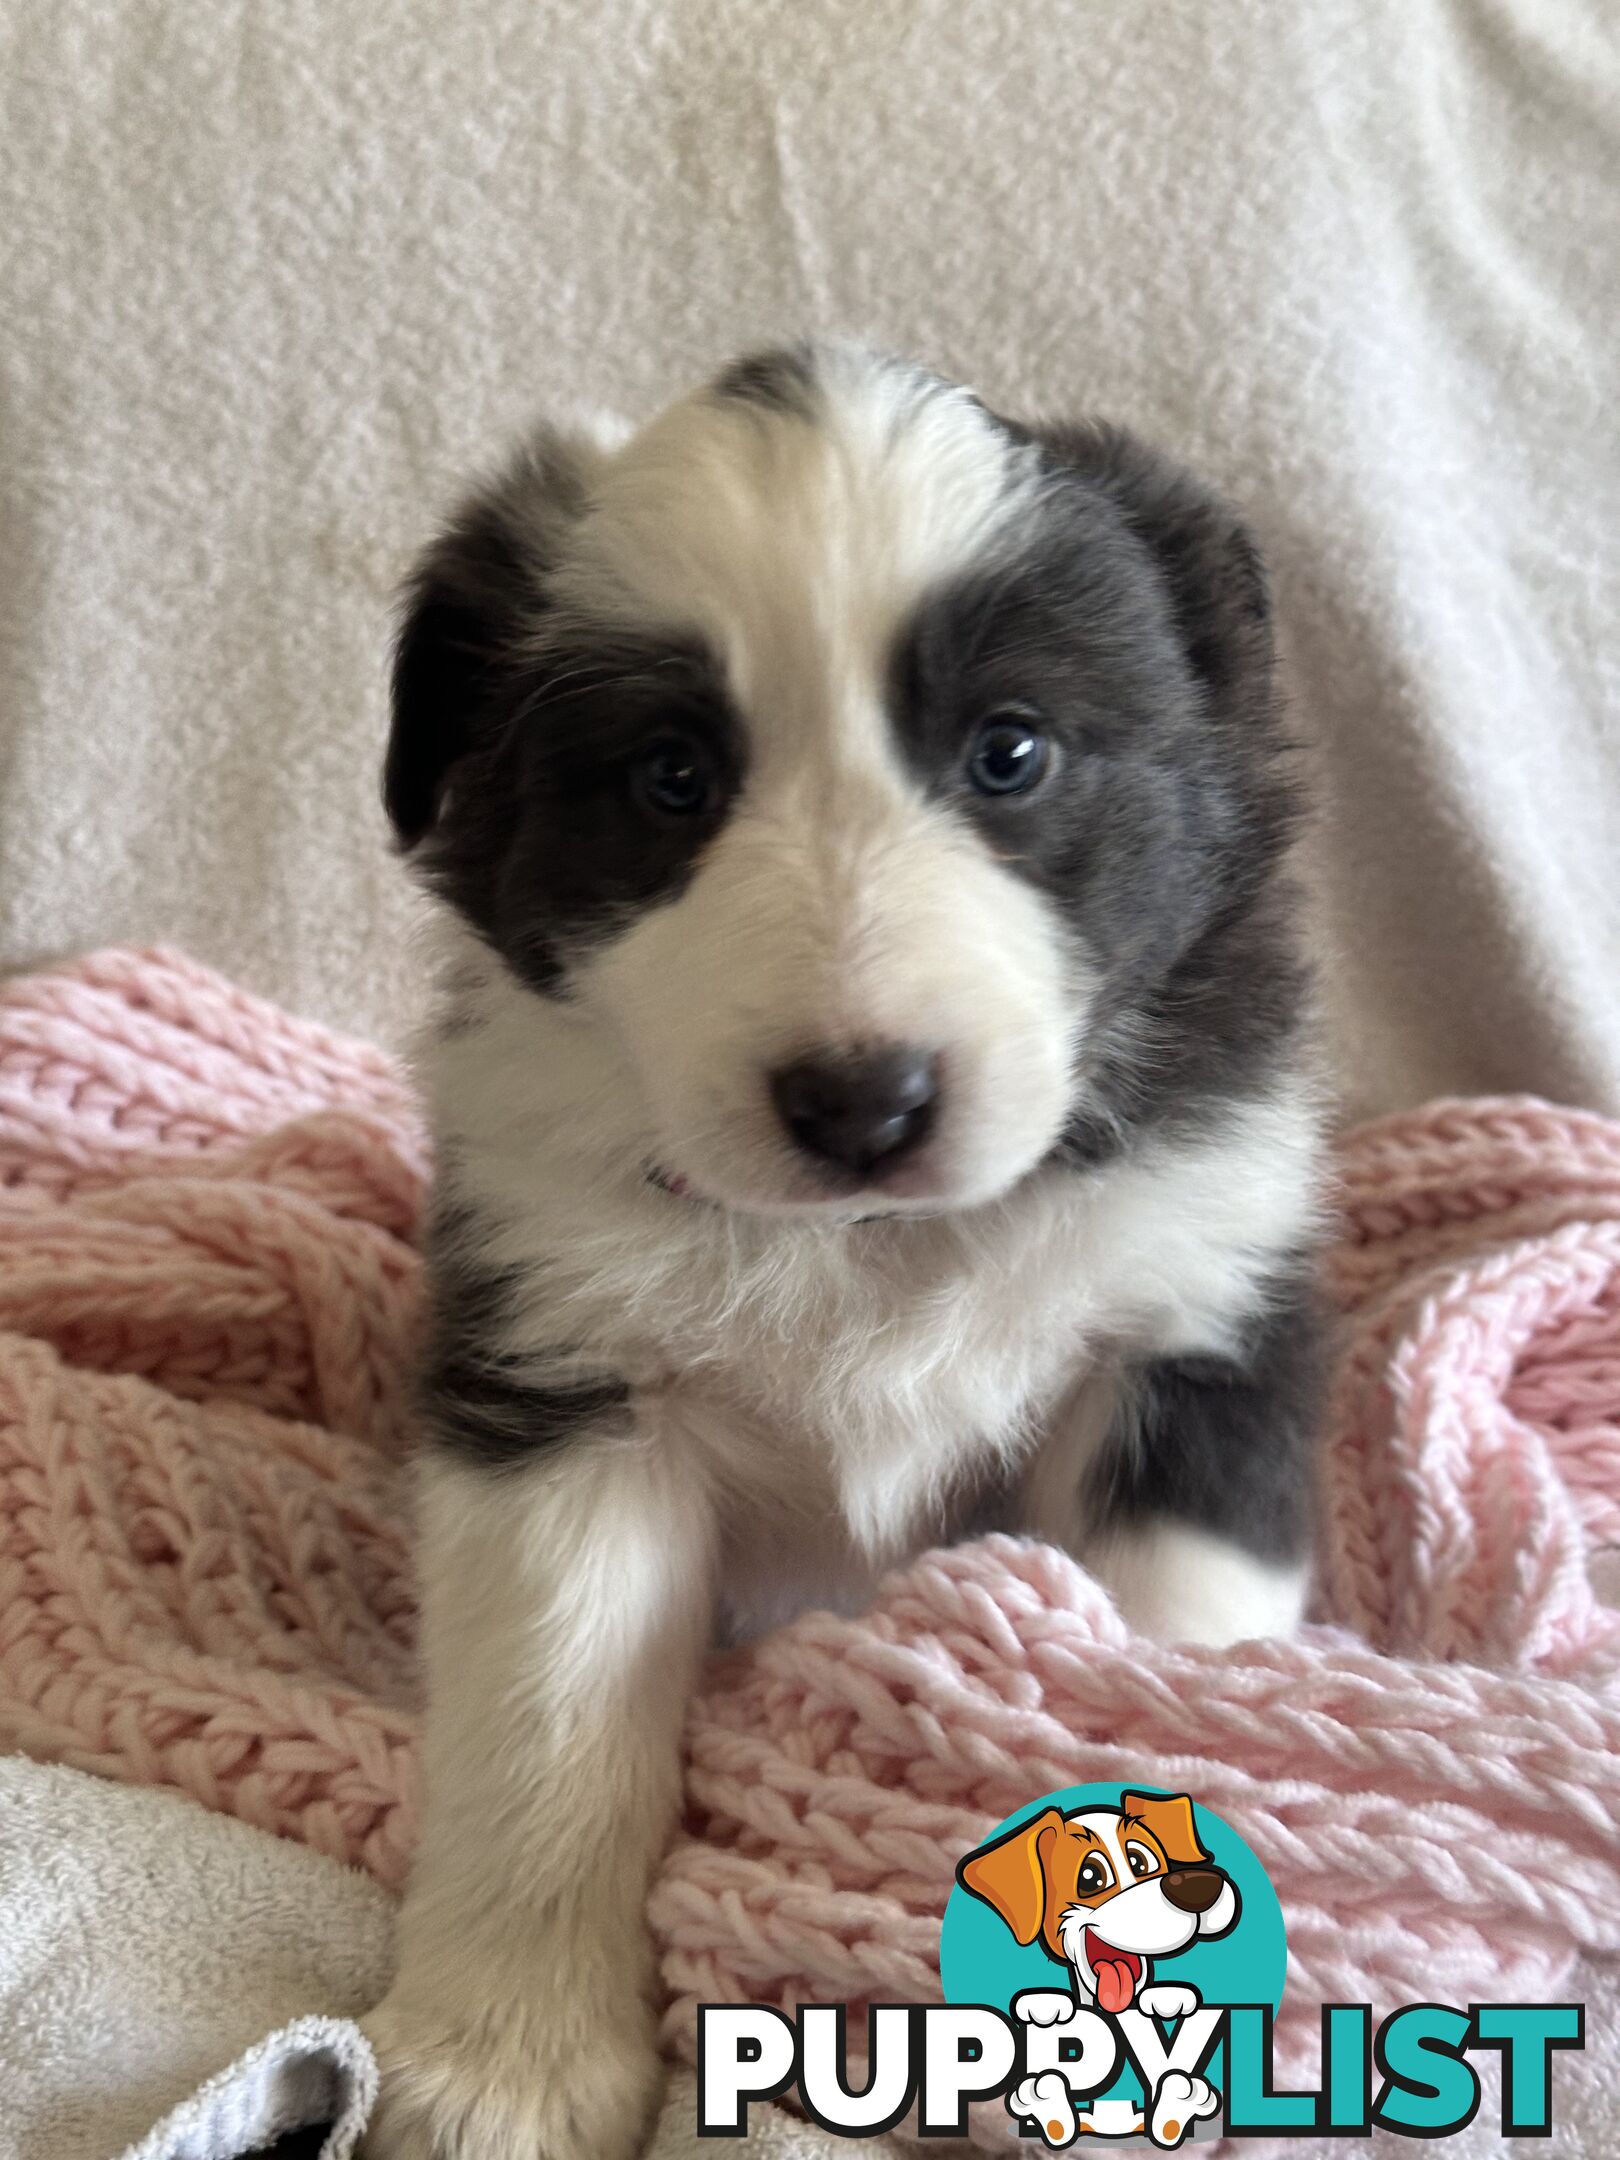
{"x": 208, "y": 1288}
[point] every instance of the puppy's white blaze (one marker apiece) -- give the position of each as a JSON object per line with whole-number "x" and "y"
{"x": 1178, "y": 1584}
{"x": 789, "y": 544}
{"x": 860, "y": 917}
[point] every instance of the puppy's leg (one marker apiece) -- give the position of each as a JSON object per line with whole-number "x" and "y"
{"x": 1201, "y": 1495}
{"x": 1185, "y": 1483}
{"x": 1181, "y": 1585}
{"x": 565, "y": 1602}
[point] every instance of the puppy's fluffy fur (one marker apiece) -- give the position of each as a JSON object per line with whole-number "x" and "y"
{"x": 829, "y": 721}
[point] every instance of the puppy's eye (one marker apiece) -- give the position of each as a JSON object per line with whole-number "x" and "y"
{"x": 1141, "y": 1861}
{"x": 675, "y": 777}
{"x": 1009, "y": 757}
{"x": 1095, "y": 1875}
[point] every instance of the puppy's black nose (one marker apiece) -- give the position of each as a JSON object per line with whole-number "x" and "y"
{"x": 1193, "y": 1889}
{"x": 859, "y": 1109}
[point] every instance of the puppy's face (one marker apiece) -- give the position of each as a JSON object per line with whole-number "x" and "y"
{"x": 848, "y": 758}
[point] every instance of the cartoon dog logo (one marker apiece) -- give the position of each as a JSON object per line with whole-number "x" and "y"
{"x": 1108, "y": 1892}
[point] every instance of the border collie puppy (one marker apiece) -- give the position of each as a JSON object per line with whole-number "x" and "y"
{"x": 873, "y": 1102}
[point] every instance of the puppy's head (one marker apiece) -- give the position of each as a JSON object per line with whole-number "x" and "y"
{"x": 1106, "y": 1889}
{"x": 858, "y": 764}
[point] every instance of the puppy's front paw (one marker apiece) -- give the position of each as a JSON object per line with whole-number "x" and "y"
{"x": 1180, "y": 1585}
{"x": 507, "y": 2084}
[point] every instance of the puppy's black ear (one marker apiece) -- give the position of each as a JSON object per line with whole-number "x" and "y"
{"x": 1211, "y": 565}
{"x": 477, "y": 596}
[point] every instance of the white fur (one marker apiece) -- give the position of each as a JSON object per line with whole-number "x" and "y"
{"x": 795, "y": 546}
{"x": 810, "y": 1397}
{"x": 836, "y": 910}
{"x": 1139, "y": 1917}
{"x": 563, "y": 1609}
{"x": 1179, "y": 1584}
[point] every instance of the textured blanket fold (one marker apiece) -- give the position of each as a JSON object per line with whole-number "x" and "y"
{"x": 207, "y": 1294}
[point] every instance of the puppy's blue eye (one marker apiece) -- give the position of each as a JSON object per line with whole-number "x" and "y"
{"x": 1010, "y": 756}
{"x": 676, "y": 778}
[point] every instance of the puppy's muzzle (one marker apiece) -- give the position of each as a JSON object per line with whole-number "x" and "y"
{"x": 1193, "y": 1890}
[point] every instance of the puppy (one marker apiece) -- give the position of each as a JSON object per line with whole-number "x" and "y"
{"x": 872, "y": 1100}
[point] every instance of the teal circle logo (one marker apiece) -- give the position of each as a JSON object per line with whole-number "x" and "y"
{"x": 1120, "y": 1898}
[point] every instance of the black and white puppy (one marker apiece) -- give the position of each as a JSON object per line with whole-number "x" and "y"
{"x": 873, "y": 1105}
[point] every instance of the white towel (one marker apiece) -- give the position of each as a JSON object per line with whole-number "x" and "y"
{"x": 146, "y": 1946}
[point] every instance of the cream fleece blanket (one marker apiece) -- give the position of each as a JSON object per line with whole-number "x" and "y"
{"x": 147, "y": 1946}
{"x": 274, "y": 276}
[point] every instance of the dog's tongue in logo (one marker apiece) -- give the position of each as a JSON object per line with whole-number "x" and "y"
{"x": 1116, "y": 1972}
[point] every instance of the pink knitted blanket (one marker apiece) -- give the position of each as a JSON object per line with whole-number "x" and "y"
{"x": 207, "y": 1295}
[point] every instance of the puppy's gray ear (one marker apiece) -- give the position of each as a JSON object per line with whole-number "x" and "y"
{"x": 469, "y": 612}
{"x": 1211, "y": 564}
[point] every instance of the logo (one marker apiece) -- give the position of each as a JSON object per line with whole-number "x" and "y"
{"x": 1112, "y": 1960}
{"x": 1109, "y": 1922}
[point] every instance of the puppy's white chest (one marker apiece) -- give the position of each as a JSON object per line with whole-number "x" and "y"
{"x": 900, "y": 1401}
